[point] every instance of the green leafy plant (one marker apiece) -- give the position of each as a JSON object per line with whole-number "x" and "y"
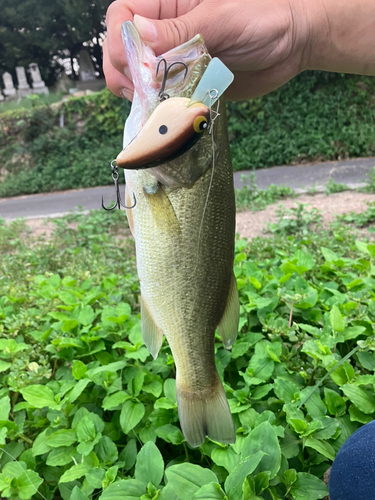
{"x": 362, "y": 219}
{"x": 250, "y": 197}
{"x": 85, "y": 412}
{"x": 333, "y": 187}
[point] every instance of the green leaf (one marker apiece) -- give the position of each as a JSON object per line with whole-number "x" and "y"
{"x": 358, "y": 416}
{"x": 4, "y": 408}
{"x": 129, "y": 454}
{"x": 106, "y": 450}
{"x": 40, "y": 445}
{"x": 286, "y": 390}
{"x": 362, "y": 400}
{"x": 186, "y": 479}
{"x": 263, "y": 438}
{"x": 40, "y": 396}
{"x": 86, "y": 430}
{"x": 129, "y": 489}
{"x": 95, "y": 477}
{"x": 131, "y": 414}
{"x": 329, "y": 254}
{"x": 367, "y": 360}
{"x": 63, "y": 437}
{"x": 78, "y": 369}
{"x": 170, "y": 433}
{"x": 4, "y": 365}
{"x": 336, "y": 319}
{"x": 28, "y": 484}
{"x": 77, "y": 390}
{"x": 225, "y": 457}
{"x": 110, "y": 368}
{"x": 69, "y": 324}
{"x": 75, "y": 472}
{"x": 211, "y": 491}
{"x": 114, "y": 400}
{"x": 78, "y": 494}
{"x": 335, "y": 403}
{"x": 60, "y": 456}
{"x": 167, "y": 493}
{"x": 322, "y": 447}
{"x": 86, "y": 315}
{"x": 150, "y": 464}
{"x": 234, "y": 482}
{"x": 308, "y": 487}
{"x": 170, "y": 389}
{"x": 260, "y": 369}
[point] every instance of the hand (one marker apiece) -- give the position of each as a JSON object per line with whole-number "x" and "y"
{"x": 264, "y": 42}
{"x": 259, "y": 40}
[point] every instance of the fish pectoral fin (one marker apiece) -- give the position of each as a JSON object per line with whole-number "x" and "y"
{"x": 204, "y": 414}
{"x": 151, "y": 333}
{"x": 163, "y": 214}
{"x": 228, "y": 326}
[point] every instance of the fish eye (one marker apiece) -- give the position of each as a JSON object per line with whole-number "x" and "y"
{"x": 163, "y": 129}
{"x": 200, "y": 124}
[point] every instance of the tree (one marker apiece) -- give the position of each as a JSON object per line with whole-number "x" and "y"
{"x": 48, "y": 31}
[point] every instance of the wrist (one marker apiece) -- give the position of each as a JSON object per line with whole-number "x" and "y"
{"x": 340, "y": 36}
{"x": 314, "y": 34}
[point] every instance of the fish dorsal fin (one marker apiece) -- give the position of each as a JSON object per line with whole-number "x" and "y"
{"x": 228, "y": 326}
{"x": 151, "y": 333}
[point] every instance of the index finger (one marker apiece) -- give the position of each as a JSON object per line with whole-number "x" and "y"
{"x": 118, "y": 12}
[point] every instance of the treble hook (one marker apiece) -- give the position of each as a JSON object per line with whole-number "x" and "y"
{"x": 118, "y": 203}
{"x": 162, "y": 95}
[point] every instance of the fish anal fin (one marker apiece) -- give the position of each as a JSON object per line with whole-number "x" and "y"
{"x": 228, "y": 326}
{"x": 204, "y": 414}
{"x": 151, "y": 333}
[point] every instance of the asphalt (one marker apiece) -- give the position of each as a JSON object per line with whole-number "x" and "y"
{"x": 301, "y": 178}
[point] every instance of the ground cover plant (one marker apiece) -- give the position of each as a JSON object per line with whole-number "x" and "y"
{"x": 317, "y": 116}
{"x": 86, "y": 413}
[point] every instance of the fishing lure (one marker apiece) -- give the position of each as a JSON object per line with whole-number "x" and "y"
{"x": 178, "y": 122}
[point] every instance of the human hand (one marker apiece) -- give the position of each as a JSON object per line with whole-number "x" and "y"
{"x": 262, "y": 41}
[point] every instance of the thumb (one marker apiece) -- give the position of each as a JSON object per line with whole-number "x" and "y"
{"x": 166, "y": 34}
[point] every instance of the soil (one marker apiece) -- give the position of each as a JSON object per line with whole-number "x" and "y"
{"x": 251, "y": 224}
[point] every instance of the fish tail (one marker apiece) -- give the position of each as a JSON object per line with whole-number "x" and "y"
{"x": 205, "y": 413}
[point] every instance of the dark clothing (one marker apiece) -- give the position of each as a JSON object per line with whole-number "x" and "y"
{"x": 353, "y": 470}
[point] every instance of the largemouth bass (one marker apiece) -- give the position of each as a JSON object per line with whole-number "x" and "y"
{"x": 184, "y": 228}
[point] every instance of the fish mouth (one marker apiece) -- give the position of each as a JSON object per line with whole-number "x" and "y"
{"x": 180, "y": 82}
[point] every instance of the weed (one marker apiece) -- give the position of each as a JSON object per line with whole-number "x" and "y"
{"x": 249, "y": 197}
{"x": 370, "y": 182}
{"x": 333, "y": 187}
{"x": 361, "y": 219}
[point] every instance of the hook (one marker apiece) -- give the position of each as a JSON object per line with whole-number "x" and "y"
{"x": 118, "y": 203}
{"x": 162, "y": 95}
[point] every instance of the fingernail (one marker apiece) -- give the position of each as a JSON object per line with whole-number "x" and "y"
{"x": 127, "y": 94}
{"x": 145, "y": 28}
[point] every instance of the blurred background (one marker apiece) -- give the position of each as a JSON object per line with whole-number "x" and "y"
{"x": 60, "y": 128}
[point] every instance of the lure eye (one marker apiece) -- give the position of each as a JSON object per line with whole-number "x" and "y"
{"x": 200, "y": 124}
{"x": 163, "y": 129}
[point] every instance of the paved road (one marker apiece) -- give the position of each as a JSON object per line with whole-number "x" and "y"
{"x": 353, "y": 173}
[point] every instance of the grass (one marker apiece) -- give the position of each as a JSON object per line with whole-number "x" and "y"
{"x": 31, "y": 101}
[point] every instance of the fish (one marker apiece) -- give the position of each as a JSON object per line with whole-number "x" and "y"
{"x": 183, "y": 224}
